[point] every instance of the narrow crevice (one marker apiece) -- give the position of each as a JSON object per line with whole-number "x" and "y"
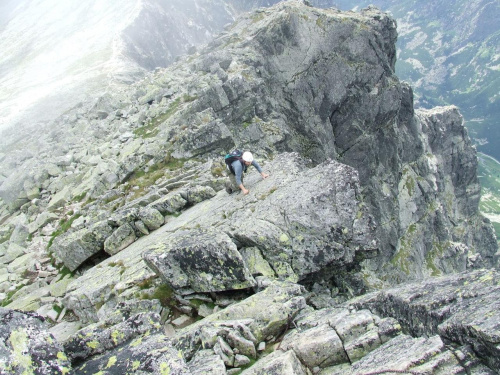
{"x": 342, "y": 341}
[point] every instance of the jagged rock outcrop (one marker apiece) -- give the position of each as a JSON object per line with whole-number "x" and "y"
{"x": 267, "y": 82}
{"x": 462, "y": 309}
{"x": 364, "y": 335}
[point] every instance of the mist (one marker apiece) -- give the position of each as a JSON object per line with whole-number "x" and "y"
{"x": 57, "y": 54}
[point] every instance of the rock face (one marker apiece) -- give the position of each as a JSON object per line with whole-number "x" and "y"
{"x": 462, "y": 309}
{"x": 206, "y": 248}
{"x": 433, "y": 58}
{"x": 26, "y": 347}
{"x": 173, "y": 275}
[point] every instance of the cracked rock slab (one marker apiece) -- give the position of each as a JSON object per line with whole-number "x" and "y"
{"x": 462, "y": 308}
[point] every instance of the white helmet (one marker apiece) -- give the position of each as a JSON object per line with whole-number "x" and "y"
{"x": 247, "y": 156}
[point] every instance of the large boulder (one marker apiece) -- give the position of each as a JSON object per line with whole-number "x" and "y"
{"x": 74, "y": 248}
{"x": 122, "y": 237}
{"x": 305, "y": 224}
{"x": 169, "y": 204}
{"x": 147, "y": 354}
{"x": 199, "y": 260}
{"x": 100, "y": 338}
{"x": 151, "y": 218}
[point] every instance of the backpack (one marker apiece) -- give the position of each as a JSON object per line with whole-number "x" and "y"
{"x": 231, "y": 157}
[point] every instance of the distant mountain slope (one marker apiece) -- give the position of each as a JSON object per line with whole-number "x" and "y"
{"x": 489, "y": 176}
{"x": 55, "y": 55}
{"x": 449, "y": 51}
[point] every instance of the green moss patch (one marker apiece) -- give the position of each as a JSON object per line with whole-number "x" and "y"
{"x": 142, "y": 179}
{"x": 64, "y": 226}
{"x": 162, "y": 293}
{"x": 151, "y": 129}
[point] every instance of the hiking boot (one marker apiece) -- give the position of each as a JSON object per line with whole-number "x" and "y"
{"x": 229, "y": 190}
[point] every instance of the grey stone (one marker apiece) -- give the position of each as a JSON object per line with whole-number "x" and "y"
{"x": 97, "y": 338}
{"x": 43, "y": 219}
{"x": 241, "y": 360}
{"x": 151, "y": 217}
{"x": 278, "y": 363}
{"x": 198, "y": 194}
{"x": 58, "y": 289}
{"x": 182, "y": 321}
{"x": 13, "y": 252}
{"x": 205, "y": 310}
{"x": 447, "y": 306}
{"x": 243, "y": 345}
{"x": 60, "y": 199}
{"x": 141, "y": 227}
{"x": 205, "y": 362}
{"x": 257, "y": 264}
{"x": 224, "y": 351}
{"x": 317, "y": 346}
{"x": 27, "y": 347}
{"x": 20, "y": 233}
{"x": 125, "y": 309}
{"x": 405, "y": 353}
{"x": 202, "y": 260}
{"x": 76, "y": 247}
{"x": 21, "y": 263}
{"x": 169, "y": 204}
{"x": 5, "y": 231}
{"x": 28, "y": 298}
{"x": 150, "y": 353}
{"x": 120, "y": 239}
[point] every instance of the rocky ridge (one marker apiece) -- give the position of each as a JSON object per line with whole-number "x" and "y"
{"x": 449, "y": 52}
{"x": 373, "y": 194}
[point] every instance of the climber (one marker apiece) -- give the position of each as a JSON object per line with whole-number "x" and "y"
{"x": 237, "y": 164}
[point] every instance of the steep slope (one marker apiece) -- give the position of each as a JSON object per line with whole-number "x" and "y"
{"x": 448, "y": 50}
{"x": 54, "y": 62}
{"x": 319, "y": 84}
{"x": 74, "y": 52}
{"x": 364, "y": 193}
